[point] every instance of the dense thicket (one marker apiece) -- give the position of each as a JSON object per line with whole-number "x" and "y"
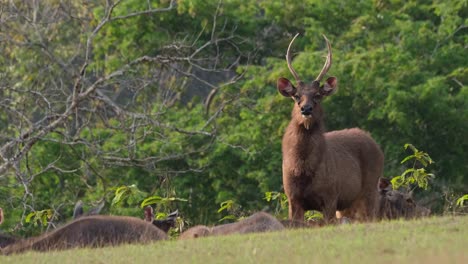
{"x": 128, "y": 87}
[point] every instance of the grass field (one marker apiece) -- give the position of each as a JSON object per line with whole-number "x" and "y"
{"x": 430, "y": 240}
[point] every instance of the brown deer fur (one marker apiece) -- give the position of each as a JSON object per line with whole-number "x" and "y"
{"x": 6, "y": 240}
{"x": 258, "y": 222}
{"x": 91, "y": 231}
{"x": 163, "y": 224}
{"x": 397, "y": 204}
{"x": 325, "y": 171}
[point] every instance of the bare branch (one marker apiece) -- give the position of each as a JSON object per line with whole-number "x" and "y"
{"x": 66, "y": 100}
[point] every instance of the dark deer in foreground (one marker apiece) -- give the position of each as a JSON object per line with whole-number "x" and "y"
{"x": 91, "y": 231}
{"x": 325, "y": 171}
{"x": 256, "y": 223}
{"x": 97, "y": 231}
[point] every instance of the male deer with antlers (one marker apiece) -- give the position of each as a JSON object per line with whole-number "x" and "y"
{"x": 325, "y": 171}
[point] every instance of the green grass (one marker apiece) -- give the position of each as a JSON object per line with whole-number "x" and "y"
{"x": 430, "y": 240}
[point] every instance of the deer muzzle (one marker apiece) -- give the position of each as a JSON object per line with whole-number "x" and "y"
{"x": 306, "y": 111}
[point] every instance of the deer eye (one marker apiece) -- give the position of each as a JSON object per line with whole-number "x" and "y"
{"x": 297, "y": 98}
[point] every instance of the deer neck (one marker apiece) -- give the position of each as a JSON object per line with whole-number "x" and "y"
{"x": 307, "y": 144}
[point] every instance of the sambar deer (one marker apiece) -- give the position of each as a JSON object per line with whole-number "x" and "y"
{"x": 163, "y": 224}
{"x": 6, "y": 240}
{"x": 97, "y": 231}
{"x": 256, "y": 223}
{"x": 393, "y": 204}
{"x": 91, "y": 231}
{"x": 325, "y": 171}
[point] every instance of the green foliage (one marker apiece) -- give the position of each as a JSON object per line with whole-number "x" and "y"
{"x": 231, "y": 207}
{"x": 281, "y": 207}
{"x": 131, "y": 195}
{"x": 158, "y": 200}
{"x": 42, "y": 217}
{"x": 280, "y": 201}
{"x": 414, "y": 175}
{"x": 461, "y": 200}
{"x": 313, "y": 215}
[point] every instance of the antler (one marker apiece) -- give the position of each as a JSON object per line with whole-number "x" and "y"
{"x": 328, "y": 62}
{"x": 288, "y": 59}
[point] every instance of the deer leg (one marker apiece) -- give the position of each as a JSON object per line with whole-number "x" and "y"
{"x": 329, "y": 212}
{"x": 296, "y": 211}
{"x": 371, "y": 205}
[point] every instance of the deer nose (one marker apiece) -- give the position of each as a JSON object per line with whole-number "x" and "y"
{"x": 306, "y": 110}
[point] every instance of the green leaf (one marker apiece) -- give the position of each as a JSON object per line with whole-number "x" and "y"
{"x": 397, "y": 181}
{"x": 151, "y": 200}
{"x": 227, "y": 217}
{"x": 403, "y": 175}
{"x": 172, "y": 199}
{"x": 226, "y": 205}
{"x": 118, "y": 197}
{"x": 461, "y": 200}
{"x": 414, "y": 149}
{"x": 29, "y": 216}
{"x": 44, "y": 218}
{"x": 313, "y": 215}
{"x": 407, "y": 158}
{"x": 160, "y": 200}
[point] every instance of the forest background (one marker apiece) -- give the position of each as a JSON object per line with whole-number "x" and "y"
{"x": 176, "y": 101}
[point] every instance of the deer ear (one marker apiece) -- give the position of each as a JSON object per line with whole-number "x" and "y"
{"x": 285, "y": 87}
{"x": 384, "y": 184}
{"x": 410, "y": 200}
{"x": 149, "y": 215}
{"x": 330, "y": 86}
{"x": 97, "y": 210}
{"x": 78, "y": 210}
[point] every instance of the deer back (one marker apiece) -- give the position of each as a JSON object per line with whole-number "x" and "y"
{"x": 92, "y": 231}
{"x": 258, "y": 222}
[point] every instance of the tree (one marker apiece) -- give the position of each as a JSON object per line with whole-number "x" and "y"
{"x": 84, "y": 107}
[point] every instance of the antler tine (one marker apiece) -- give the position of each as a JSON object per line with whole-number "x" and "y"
{"x": 288, "y": 59}
{"x": 328, "y": 62}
